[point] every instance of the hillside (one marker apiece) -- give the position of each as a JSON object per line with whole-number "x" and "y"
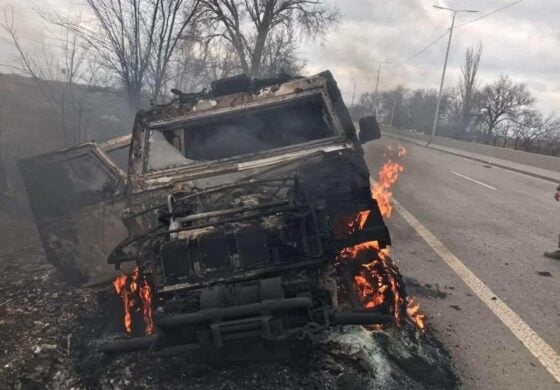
{"x": 30, "y": 125}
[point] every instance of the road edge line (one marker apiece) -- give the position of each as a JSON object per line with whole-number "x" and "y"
{"x": 539, "y": 348}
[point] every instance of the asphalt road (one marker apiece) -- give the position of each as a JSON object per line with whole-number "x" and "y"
{"x": 497, "y": 223}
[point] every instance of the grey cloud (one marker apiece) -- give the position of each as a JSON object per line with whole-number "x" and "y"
{"x": 522, "y": 41}
{"x": 380, "y": 12}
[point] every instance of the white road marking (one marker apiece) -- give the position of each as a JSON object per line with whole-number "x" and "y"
{"x": 473, "y": 180}
{"x": 544, "y": 353}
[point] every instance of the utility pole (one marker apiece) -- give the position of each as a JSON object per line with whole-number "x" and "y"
{"x": 377, "y": 85}
{"x": 436, "y": 117}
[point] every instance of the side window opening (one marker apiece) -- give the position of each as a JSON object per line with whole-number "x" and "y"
{"x": 119, "y": 157}
{"x": 163, "y": 153}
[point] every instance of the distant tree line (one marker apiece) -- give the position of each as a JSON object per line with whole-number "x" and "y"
{"x": 500, "y": 113}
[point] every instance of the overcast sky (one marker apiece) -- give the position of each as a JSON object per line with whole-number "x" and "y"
{"x": 522, "y": 41}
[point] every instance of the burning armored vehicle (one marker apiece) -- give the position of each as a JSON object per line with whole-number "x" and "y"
{"x": 245, "y": 220}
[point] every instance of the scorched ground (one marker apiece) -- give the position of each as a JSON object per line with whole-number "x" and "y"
{"x": 39, "y": 313}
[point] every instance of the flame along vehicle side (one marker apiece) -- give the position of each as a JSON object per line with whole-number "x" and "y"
{"x": 235, "y": 207}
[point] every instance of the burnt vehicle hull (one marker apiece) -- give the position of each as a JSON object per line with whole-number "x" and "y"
{"x": 239, "y": 241}
{"x": 77, "y": 199}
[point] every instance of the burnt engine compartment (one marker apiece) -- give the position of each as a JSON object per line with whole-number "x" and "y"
{"x": 251, "y": 263}
{"x": 266, "y": 224}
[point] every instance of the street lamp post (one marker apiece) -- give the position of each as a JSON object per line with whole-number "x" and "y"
{"x": 438, "y": 105}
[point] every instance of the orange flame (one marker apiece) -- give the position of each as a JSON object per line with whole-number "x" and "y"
{"x": 360, "y": 220}
{"x": 388, "y": 175}
{"x": 146, "y": 297}
{"x": 378, "y": 281}
{"x": 414, "y": 313}
{"x": 128, "y": 292}
{"x": 121, "y": 288}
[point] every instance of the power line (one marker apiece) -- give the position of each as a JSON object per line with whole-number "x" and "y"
{"x": 489, "y": 13}
{"x": 421, "y": 51}
{"x": 439, "y": 38}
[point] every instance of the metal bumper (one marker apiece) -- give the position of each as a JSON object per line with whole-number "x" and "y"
{"x": 230, "y": 324}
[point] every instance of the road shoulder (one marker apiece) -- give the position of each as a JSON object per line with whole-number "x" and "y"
{"x": 539, "y": 173}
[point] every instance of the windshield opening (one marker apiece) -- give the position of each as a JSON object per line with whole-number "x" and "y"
{"x": 240, "y": 133}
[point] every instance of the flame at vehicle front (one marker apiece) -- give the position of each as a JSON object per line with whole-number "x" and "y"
{"x": 388, "y": 175}
{"x": 378, "y": 282}
{"x": 121, "y": 287}
{"x": 136, "y": 295}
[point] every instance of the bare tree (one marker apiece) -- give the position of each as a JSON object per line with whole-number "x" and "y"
{"x": 531, "y": 131}
{"x": 549, "y": 143}
{"x": 500, "y": 101}
{"x": 175, "y": 16}
{"x": 367, "y": 103}
{"x": 503, "y": 111}
{"x": 395, "y": 99}
{"x": 134, "y": 39}
{"x": 420, "y": 107}
{"x": 525, "y": 128}
{"x": 280, "y": 55}
{"x": 390, "y": 105}
{"x": 56, "y": 70}
{"x": 250, "y": 26}
{"x": 199, "y": 60}
{"x": 468, "y": 89}
{"x": 122, "y": 38}
{"x": 401, "y": 108}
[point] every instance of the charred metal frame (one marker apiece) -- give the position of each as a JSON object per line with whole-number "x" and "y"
{"x": 141, "y": 180}
{"x": 252, "y": 291}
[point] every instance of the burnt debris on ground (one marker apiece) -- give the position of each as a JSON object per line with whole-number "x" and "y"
{"x": 50, "y": 331}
